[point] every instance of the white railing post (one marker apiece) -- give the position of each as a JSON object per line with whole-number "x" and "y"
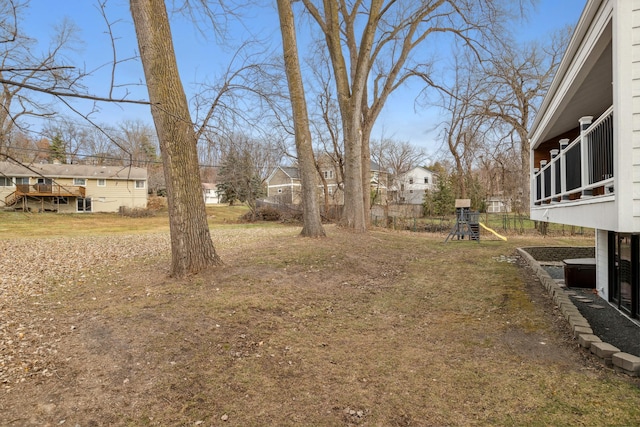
{"x": 585, "y": 122}
{"x": 563, "y": 168}
{"x": 543, "y": 180}
{"x": 535, "y": 186}
{"x": 554, "y": 166}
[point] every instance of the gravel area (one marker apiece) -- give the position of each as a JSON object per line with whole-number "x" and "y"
{"x": 32, "y": 268}
{"x": 607, "y": 323}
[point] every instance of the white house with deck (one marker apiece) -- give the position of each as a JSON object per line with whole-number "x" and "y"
{"x": 585, "y": 145}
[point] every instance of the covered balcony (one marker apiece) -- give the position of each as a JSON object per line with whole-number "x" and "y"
{"x": 578, "y": 169}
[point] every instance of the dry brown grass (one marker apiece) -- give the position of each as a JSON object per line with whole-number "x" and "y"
{"x": 23, "y": 224}
{"x": 381, "y": 329}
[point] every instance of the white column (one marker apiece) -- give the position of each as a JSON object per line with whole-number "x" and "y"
{"x": 584, "y": 154}
{"x": 543, "y": 186}
{"x": 563, "y": 168}
{"x": 555, "y": 163}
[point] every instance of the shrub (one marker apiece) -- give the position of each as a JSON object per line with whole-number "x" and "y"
{"x": 264, "y": 213}
{"x": 136, "y": 212}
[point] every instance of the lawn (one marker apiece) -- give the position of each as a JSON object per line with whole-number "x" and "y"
{"x": 379, "y": 329}
{"x": 21, "y": 224}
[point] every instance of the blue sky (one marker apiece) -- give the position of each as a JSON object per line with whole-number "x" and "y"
{"x": 201, "y": 59}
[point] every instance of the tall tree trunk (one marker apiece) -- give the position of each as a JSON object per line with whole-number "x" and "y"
{"x": 191, "y": 247}
{"x": 312, "y": 226}
{"x": 366, "y": 173}
{"x": 353, "y": 216}
{"x": 524, "y": 164}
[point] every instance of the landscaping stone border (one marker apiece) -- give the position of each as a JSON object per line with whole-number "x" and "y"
{"x": 608, "y": 354}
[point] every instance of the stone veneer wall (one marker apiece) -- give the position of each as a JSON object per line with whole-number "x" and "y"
{"x": 559, "y": 253}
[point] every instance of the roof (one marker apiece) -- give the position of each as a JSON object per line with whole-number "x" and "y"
{"x": 71, "y": 171}
{"x": 292, "y": 171}
{"x": 463, "y": 203}
{"x": 417, "y": 168}
{"x": 587, "y": 95}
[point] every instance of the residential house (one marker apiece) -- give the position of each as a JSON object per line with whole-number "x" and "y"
{"x": 585, "y": 145}
{"x": 72, "y": 188}
{"x": 410, "y": 187}
{"x": 210, "y": 193}
{"x": 497, "y": 204}
{"x": 284, "y": 185}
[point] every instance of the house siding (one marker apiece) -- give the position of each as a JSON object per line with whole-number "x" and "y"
{"x": 119, "y": 191}
{"x": 103, "y": 199}
{"x": 280, "y": 178}
{"x": 635, "y": 76}
{"x": 410, "y": 188}
{"x": 289, "y": 188}
{"x": 602, "y": 270}
{"x": 115, "y": 194}
{"x": 635, "y": 146}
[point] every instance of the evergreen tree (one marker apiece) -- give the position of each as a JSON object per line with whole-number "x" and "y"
{"x": 57, "y": 150}
{"x": 442, "y": 200}
{"x": 238, "y": 180}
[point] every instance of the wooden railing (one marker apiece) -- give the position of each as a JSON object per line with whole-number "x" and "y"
{"x": 44, "y": 190}
{"x": 578, "y": 169}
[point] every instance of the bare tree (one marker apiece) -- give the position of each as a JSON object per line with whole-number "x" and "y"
{"x": 22, "y": 147}
{"x": 374, "y": 43}
{"x": 396, "y": 157}
{"x": 22, "y": 67}
{"x": 312, "y": 226}
{"x": 138, "y": 143}
{"x": 191, "y": 246}
{"x": 463, "y": 130}
{"x": 515, "y": 79}
{"x": 74, "y": 135}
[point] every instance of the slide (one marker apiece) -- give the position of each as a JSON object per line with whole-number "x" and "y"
{"x": 500, "y": 236}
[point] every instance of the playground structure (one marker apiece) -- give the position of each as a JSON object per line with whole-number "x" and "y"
{"x": 468, "y": 224}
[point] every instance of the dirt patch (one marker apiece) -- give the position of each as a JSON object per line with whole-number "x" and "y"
{"x": 378, "y": 329}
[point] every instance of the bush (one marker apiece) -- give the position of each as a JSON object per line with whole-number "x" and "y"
{"x": 265, "y": 213}
{"x": 136, "y": 212}
{"x": 157, "y": 203}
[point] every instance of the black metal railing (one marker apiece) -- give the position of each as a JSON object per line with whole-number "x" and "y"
{"x": 579, "y": 168}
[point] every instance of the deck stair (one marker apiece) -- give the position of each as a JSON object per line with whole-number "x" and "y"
{"x": 12, "y": 199}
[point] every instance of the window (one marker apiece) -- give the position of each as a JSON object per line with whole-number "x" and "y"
{"x": 5, "y": 181}
{"x": 84, "y": 205}
{"x": 426, "y": 179}
{"x": 411, "y": 191}
{"x": 279, "y": 190}
{"x": 61, "y": 201}
{"x": 22, "y": 180}
{"x": 140, "y": 183}
{"x": 102, "y": 183}
{"x": 330, "y": 191}
{"x": 328, "y": 174}
{"x": 79, "y": 181}
{"x": 410, "y": 180}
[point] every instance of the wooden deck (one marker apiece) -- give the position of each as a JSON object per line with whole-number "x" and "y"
{"x": 45, "y": 191}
